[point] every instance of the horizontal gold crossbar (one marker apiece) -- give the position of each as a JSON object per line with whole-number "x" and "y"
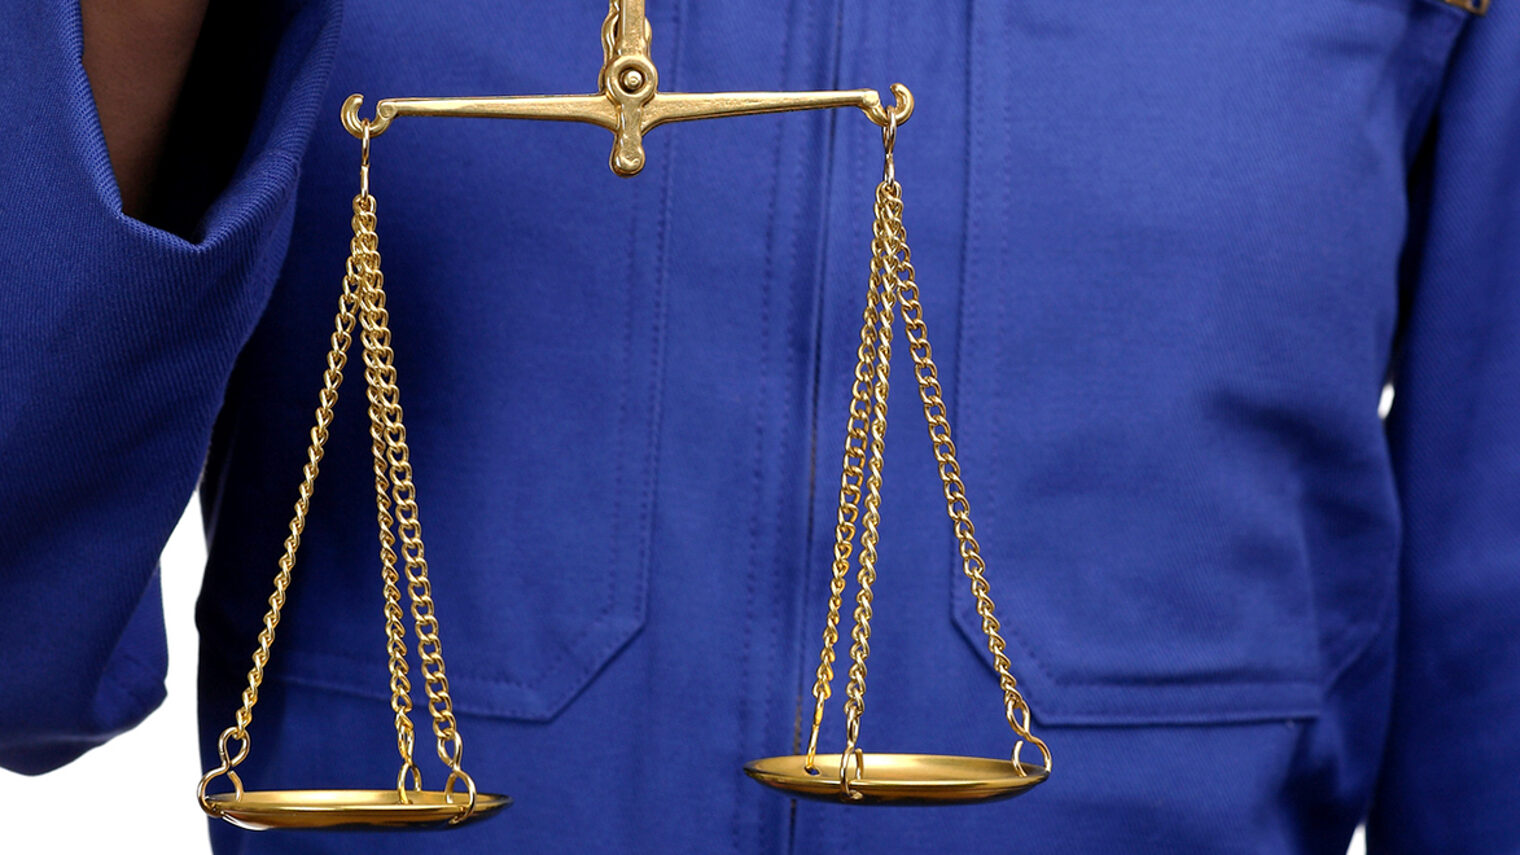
{"x": 629, "y": 103}
{"x": 628, "y": 122}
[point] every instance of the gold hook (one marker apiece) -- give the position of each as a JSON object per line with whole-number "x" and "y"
{"x": 384, "y": 112}
{"x": 902, "y": 108}
{"x": 455, "y": 777}
{"x": 229, "y": 761}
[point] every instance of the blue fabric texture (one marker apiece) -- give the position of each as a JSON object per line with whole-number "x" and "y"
{"x": 1170, "y": 254}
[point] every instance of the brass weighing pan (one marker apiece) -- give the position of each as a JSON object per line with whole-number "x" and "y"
{"x": 901, "y": 779}
{"x": 260, "y": 810}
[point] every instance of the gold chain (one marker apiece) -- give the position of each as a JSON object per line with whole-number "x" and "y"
{"x": 363, "y": 303}
{"x": 956, "y": 504}
{"x": 892, "y": 282}
{"x": 860, "y": 633}
{"x": 332, "y": 378}
{"x": 865, "y": 445}
{"x": 387, "y": 426}
{"x": 364, "y": 266}
{"x": 850, "y": 482}
{"x": 385, "y": 399}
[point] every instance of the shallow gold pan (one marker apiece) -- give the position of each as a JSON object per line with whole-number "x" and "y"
{"x": 265, "y": 809}
{"x": 901, "y": 779}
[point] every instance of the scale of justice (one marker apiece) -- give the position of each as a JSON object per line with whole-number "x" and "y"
{"x": 629, "y": 104}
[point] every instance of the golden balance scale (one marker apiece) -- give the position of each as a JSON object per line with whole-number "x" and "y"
{"x": 629, "y": 103}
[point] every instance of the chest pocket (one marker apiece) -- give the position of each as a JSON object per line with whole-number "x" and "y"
{"x": 531, "y": 411}
{"x": 1181, "y": 289}
{"x": 525, "y": 295}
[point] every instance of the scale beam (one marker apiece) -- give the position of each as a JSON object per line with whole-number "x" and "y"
{"x": 629, "y": 103}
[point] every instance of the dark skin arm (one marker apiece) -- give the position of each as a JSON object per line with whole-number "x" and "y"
{"x": 136, "y": 53}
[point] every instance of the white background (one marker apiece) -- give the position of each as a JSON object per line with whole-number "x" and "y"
{"x": 153, "y": 768}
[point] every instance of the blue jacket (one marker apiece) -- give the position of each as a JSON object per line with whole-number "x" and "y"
{"x": 1170, "y": 254}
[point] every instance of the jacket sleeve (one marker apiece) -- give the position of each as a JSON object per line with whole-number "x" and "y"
{"x": 1451, "y": 773}
{"x": 116, "y": 341}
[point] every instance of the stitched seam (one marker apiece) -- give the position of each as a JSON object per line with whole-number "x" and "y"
{"x": 1005, "y": 249}
{"x": 757, "y": 478}
{"x": 775, "y": 653}
{"x": 536, "y": 681}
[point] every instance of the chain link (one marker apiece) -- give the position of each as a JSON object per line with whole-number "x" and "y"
{"x": 364, "y": 266}
{"x": 387, "y": 427}
{"x": 362, "y": 304}
{"x": 900, "y": 260}
{"x": 850, "y": 482}
{"x": 332, "y": 378}
{"x": 893, "y": 283}
{"x": 860, "y": 633}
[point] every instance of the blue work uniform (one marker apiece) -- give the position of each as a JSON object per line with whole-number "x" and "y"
{"x": 1170, "y": 254}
